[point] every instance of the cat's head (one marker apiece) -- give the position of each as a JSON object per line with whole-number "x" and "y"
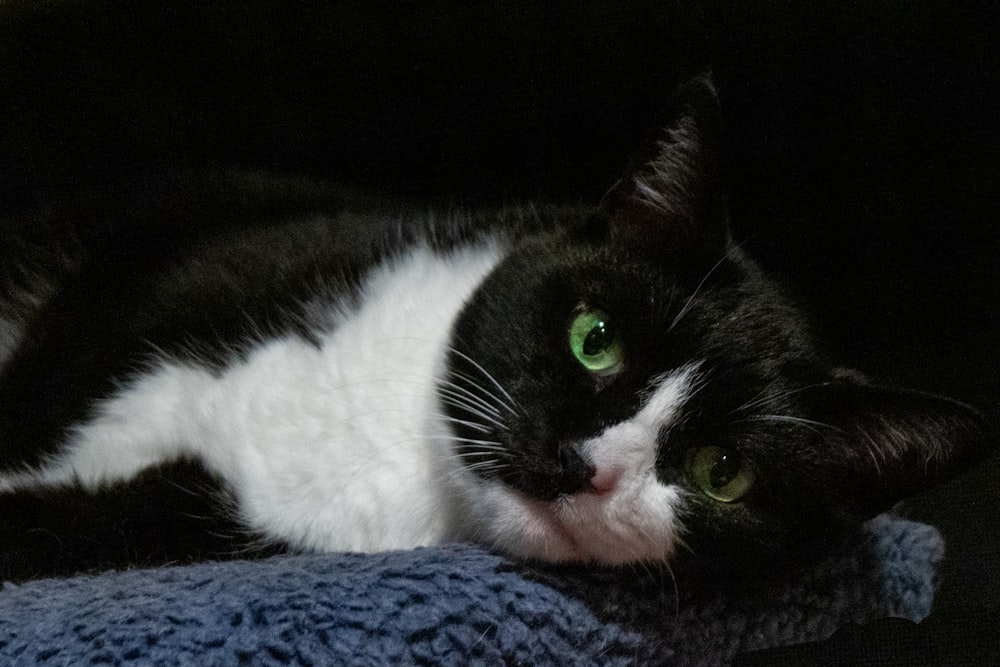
{"x": 634, "y": 383}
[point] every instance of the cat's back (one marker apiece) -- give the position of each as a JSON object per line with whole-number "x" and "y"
{"x": 200, "y": 269}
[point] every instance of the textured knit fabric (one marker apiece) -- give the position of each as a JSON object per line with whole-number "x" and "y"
{"x": 455, "y": 605}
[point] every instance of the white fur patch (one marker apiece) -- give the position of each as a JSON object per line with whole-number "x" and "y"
{"x": 324, "y": 448}
{"x": 632, "y": 516}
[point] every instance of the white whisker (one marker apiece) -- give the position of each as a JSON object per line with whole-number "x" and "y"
{"x": 489, "y": 376}
{"x": 476, "y": 426}
{"x": 493, "y": 398}
{"x": 465, "y": 395}
{"x": 464, "y": 407}
{"x": 697, "y": 290}
{"x": 471, "y": 441}
{"x": 812, "y": 425}
{"x": 488, "y": 467}
{"x": 484, "y": 465}
{"x": 763, "y": 398}
{"x": 481, "y": 451}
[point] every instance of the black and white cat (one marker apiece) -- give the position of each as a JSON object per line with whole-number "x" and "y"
{"x": 237, "y": 368}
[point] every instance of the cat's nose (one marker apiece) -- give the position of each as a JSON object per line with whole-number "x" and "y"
{"x": 605, "y": 479}
{"x": 575, "y": 472}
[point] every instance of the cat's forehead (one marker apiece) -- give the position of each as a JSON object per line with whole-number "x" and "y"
{"x": 575, "y": 262}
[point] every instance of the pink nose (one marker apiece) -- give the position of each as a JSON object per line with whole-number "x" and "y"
{"x": 605, "y": 479}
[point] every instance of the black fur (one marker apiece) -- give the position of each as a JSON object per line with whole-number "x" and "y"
{"x": 173, "y": 514}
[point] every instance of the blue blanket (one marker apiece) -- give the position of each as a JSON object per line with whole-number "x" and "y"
{"x": 453, "y": 605}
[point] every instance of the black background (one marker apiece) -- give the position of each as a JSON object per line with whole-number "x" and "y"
{"x": 865, "y": 149}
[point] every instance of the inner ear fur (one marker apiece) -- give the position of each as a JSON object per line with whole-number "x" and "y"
{"x": 671, "y": 197}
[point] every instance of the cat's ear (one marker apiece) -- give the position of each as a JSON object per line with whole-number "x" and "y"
{"x": 889, "y": 444}
{"x": 671, "y": 197}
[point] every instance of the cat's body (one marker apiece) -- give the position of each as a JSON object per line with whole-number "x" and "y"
{"x": 590, "y": 385}
{"x": 289, "y": 420}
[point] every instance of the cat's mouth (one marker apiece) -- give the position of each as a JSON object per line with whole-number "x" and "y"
{"x": 549, "y": 535}
{"x": 610, "y": 529}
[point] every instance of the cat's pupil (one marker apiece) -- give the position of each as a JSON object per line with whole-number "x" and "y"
{"x": 724, "y": 471}
{"x": 600, "y": 338}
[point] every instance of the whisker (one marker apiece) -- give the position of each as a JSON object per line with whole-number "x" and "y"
{"x": 814, "y": 426}
{"x": 792, "y": 420}
{"x": 471, "y": 441}
{"x": 476, "y": 426}
{"x": 494, "y": 399}
{"x": 458, "y": 397}
{"x": 485, "y": 397}
{"x": 763, "y": 398}
{"x": 488, "y": 375}
{"x": 465, "y": 395}
{"x": 484, "y": 465}
{"x": 758, "y": 399}
{"x": 491, "y": 466}
{"x": 479, "y": 452}
{"x": 664, "y": 595}
{"x": 691, "y": 299}
{"x": 473, "y": 411}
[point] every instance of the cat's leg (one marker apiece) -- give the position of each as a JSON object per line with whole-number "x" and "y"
{"x": 175, "y": 513}
{"x": 78, "y": 350}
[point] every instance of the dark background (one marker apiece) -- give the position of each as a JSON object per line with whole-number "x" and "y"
{"x": 865, "y": 149}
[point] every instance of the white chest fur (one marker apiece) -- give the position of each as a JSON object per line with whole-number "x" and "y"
{"x": 326, "y": 447}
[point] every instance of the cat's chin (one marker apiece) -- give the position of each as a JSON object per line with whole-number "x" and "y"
{"x": 607, "y": 529}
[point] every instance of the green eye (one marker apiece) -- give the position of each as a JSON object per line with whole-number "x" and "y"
{"x": 721, "y": 474}
{"x": 595, "y": 342}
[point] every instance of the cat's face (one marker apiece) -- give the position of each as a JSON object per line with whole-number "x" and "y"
{"x": 620, "y": 390}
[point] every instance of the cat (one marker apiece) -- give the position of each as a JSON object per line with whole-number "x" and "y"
{"x": 226, "y": 367}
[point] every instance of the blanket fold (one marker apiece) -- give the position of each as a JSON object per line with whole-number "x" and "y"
{"x": 453, "y": 605}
